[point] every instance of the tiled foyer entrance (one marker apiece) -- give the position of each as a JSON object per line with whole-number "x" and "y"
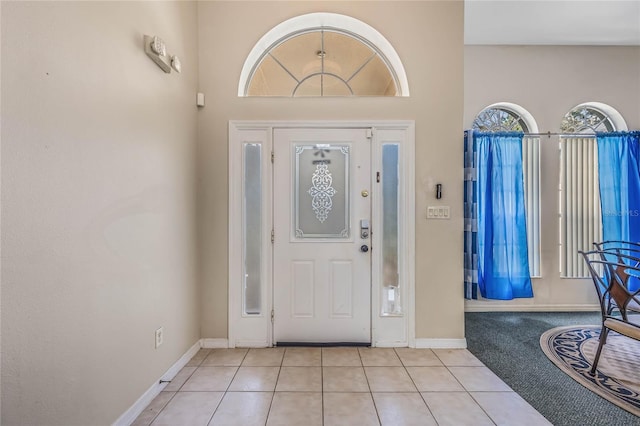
{"x": 337, "y": 386}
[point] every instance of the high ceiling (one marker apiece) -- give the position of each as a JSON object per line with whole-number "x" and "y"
{"x": 566, "y": 22}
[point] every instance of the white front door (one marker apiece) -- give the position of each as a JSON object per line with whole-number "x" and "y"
{"x": 322, "y": 240}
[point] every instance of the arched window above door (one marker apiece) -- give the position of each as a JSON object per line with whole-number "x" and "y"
{"x": 323, "y": 54}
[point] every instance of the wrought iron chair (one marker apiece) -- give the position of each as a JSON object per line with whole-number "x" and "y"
{"x": 627, "y": 253}
{"x": 628, "y": 248}
{"x": 610, "y": 278}
{"x": 613, "y": 244}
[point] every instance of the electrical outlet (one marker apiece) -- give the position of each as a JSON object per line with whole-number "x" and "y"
{"x": 159, "y": 337}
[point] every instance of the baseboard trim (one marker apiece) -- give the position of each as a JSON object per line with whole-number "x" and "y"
{"x": 441, "y": 343}
{"x": 494, "y": 307}
{"x": 139, "y": 406}
{"x": 215, "y": 343}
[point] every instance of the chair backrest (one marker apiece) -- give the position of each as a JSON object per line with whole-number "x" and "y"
{"x": 626, "y": 247}
{"x": 628, "y": 256}
{"x": 611, "y": 280}
{"x": 604, "y": 245}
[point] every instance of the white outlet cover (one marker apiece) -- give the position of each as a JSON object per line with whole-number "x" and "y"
{"x": 159, "y": 336}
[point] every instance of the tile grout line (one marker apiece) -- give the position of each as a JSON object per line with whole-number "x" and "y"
{"x": 375, "y": 406}
{"x": 161, "y": 409}
{"x": 463, "y": 387}
{"x": 224, "y": 394}
{"x": 482, "y": 408}
{"x": 414, "y": 384}
{"x": 177, "y": 390}
{"x": 273, "y": 394}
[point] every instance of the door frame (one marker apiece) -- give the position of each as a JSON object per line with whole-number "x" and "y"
{"x": 256, "y": 330}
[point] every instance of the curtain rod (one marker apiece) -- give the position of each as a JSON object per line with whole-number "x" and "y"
{"x": 549, "y": 134}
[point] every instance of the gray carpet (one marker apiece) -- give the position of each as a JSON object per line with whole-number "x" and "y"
{"x": 509, "y": 344}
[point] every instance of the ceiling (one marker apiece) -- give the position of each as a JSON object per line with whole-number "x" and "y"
{"x": 552, "y": 22}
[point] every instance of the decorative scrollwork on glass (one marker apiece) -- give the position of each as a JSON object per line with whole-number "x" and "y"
{"x": 322, "y": 192}
{"x": 586, "y": 120}
{"x": 321, "y": 181}
{"x": 499, "y": 120}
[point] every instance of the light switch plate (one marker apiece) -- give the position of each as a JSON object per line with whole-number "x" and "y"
{"x": 438, "y": 212}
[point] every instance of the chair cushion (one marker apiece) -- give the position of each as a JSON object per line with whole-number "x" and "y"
{"x": 626, "y": 328}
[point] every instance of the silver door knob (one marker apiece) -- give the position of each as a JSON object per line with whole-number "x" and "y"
{"x": 364, "y": 248}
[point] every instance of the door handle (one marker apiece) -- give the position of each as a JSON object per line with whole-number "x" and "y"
{"x": 364, "y": 248}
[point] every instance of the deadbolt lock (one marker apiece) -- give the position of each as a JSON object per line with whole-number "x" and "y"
{"x": 364, "y": 229}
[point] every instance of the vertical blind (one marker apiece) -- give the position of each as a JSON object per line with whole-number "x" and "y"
{"x": 580, "y": 217}
{"x": 531, "y": 177}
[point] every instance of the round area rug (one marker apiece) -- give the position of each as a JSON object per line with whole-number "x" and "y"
{"x": 617, "y": 379}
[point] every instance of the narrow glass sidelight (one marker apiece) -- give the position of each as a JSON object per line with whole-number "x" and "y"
{"x": 391, "y": 291}
{"x": 252, "y": 227}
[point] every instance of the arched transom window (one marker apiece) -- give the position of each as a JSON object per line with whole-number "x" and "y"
{"x": 323, "y": 54}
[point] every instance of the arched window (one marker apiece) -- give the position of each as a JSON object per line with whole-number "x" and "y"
{"x": 592, "y": 117}
{"x": 497, "y": 119}
{"x": 323, "y": 54}
{"x": 508, "y": 117}
{"x": 580, "y": 216}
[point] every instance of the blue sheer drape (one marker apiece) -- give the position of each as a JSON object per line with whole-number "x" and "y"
{"x": 619, "y": 179}
{"x": 503, "y": 263}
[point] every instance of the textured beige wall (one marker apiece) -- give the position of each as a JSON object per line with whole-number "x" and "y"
{"x": 428, "y": 38}
{"x": 98, "y": 207}
{"x": 548, "y": 81}
{"x": 0, "y": 216}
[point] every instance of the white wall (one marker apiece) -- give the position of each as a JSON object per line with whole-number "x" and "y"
{"x": 98, "y": 206}
{"x": 548, "y": 81}
{"x": 428, "y": 38}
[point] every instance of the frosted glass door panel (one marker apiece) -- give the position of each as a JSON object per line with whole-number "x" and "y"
{"x": 321, "y": 179}
{"x": 252, "y": 228}
{"x": 390, "y": 206}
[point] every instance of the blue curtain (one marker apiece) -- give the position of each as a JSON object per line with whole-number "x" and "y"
{"x": 470, "y": 218}
{"x": 619, "y": 179}
{"x": 502, "y": 256}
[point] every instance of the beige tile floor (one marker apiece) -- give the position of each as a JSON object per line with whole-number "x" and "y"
{"x": 337, "y": 386}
